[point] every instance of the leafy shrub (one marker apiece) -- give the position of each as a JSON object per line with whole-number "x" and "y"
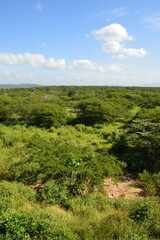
{"x": 93, "y": 111}
{"x": 13, "y": 226}
{"x": 139, "y": 147}
{"x": 98, "y": 126}
{"x": 43, "y": 159}
{"x": 48, "y": 115}
{"x": 152, "y": 115}
{"x": 105, "y": 134}
{"x": 80, "y": 127}
{"x": 153, "y": 223}
{"x": 146, "y": 215}
{"x": 141, "y": 211}
{"x": 151, "y": 182}
{"x": 115, "y": 226}
{"x": 13, "y": 195}
{"x": 39, "y": 226}
{"x": 98, "y": 201}
{"x": 111, "y": 166}
{"x": 53, "y": 193}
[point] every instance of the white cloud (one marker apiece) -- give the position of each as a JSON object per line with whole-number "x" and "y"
{"x": 38, "y": 6}
{"x": 113, "y": 36}
{"x": 153, "y": 22}
{"x": 38, "y": 60}
{"x": 86, "y": 65}
{"x": 116, "y": 47}
{"x": 34, "y": 60}
{"x": 112, "y": 32}
{"x": 111, "y": 47}
{"x": 89, "y": 65}
{"x": 120, "y": 56}
{"x": 133, "y": 52}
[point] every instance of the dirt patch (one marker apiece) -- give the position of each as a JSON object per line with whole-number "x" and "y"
{"x": 36, "y": 187}
{"x": 125, "y": 187}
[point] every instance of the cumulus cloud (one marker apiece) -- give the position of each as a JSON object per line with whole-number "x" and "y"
{"x": 38, "y": 60}
{"x": 89, "y": 65}
{"x": 34, "y": 60}
{"x": 116, "y": 47}
{"x": 111, "y": 47}
{"x": 112, "y": 32}
{"x": 120, "y": 56}
{"x": 113, "y": 36}
{"x": 133, "y": 52}
{"x": 86, "y": 65}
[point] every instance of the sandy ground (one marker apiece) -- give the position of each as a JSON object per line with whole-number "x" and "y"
{"x": 125, "y": 187}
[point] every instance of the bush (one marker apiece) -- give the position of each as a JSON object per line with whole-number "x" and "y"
{"x": 39, "y": 226}
{"x": 80, "y": 127}
{"x": 115, "y": 226}
{"x": 146, "y": 215}
{"x": 153, "y": 223}
{"x": 48, "y": 115}
{"x": 141, "y": 211}
{"x": 98, "y": 201}
{"x": 151, "y": 182}
{"x": 13, "y": 195}
{"x": 53, "y": 193}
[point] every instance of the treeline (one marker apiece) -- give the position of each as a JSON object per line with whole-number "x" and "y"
{"x": 56, "y": 106}
{"x": 57, "y": 144}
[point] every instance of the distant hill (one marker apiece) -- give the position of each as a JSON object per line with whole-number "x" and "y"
{"x": 22, "y": 85}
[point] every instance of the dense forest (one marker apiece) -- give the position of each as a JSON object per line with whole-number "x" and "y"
{"x": 59, "y": 143}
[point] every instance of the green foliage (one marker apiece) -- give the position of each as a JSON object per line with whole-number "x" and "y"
{"x": 100, "y": 202}
{"x": 48, "y": 115}
{"x": 14, "y": 195}
{"x": 40, "y": 225}
{"x": 111, "y": 166}
{"x": 115, "y": 226}
{"x": 146, "y": 215}
{"x": 150, "y": 99}
{"x": 141, "y": 211}
{"x": 65, "y": 141}
{"x": 93, "y": 111}
{"x": 80, "y": 127}
{"x": 152, "y": 115}
{"x": 139, "y": 146}
{"x": 96, "y": 111}
{"x": 43, "y": 158}
{"x": 151, "y": 182}
{"x": 53, "y": 193}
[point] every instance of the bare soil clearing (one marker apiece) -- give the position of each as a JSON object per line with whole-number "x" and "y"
{"x": 125, "y": 187}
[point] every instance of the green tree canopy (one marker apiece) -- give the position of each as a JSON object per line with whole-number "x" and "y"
{"x": 47, "y": 115}
{"x": 92, "y": 111}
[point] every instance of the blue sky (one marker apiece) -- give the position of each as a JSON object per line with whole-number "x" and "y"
{"x": 87, "y": 42}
